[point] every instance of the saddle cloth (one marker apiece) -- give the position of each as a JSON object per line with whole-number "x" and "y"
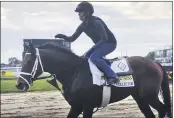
{"x": 119, "y": 66}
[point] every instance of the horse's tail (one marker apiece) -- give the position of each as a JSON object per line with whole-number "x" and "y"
{"x": 166, "y": 91}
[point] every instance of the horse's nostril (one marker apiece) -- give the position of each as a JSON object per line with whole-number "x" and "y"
{"x": 20, "y": 86}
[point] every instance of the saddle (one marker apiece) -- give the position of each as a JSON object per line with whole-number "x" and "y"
{"x": 116, "y": 59}
{"x": 119, "y": 65}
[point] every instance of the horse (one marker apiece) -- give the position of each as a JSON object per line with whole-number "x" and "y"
{"x": 74, "y": 73}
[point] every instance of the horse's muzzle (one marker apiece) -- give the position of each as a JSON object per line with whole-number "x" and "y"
{"x": 22, "y": 86}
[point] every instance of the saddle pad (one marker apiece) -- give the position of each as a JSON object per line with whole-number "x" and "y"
{"x": 118, "y": 66}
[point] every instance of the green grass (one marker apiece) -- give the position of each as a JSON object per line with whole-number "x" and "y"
{"x": 39, "y": 85}
{"x": 8, "y": 86}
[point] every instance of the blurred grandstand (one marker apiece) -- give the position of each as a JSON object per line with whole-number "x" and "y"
{"x": 165, "y": 57}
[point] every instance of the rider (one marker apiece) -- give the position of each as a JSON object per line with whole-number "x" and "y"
{"x": 104, "y": 40}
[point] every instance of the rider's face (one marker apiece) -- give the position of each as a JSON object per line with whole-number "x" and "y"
{"x": 82, "y": 15}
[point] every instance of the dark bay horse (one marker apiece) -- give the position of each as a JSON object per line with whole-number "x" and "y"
{"x": 79, "y": 91}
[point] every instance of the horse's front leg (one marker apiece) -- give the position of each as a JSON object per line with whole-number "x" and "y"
{"x": 87, "y": 111}
{"x": 75, "y": 111}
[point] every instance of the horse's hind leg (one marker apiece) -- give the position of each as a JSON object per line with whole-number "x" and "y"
{"x": 158, "y": 105}
{"x": 144, "y": 106}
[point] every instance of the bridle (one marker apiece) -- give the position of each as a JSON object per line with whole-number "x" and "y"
{"x": 35, "y": 67}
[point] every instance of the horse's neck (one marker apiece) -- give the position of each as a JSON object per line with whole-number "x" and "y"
{"x": 69, "y": 76}
{"x": 55, "y": 62}
{"x": 64, "y": 69}
{"x": 66, "y": 77}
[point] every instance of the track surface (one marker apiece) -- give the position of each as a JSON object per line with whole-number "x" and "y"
{"x": 52, "y": 104}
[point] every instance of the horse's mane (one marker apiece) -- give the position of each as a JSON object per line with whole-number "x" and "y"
{"x": 56, "y": 46}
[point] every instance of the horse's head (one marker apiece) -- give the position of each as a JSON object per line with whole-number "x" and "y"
{"x": 55, "y": 58}
{"x": 31, "y": 67}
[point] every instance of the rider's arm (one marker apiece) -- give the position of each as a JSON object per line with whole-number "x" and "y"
{"x": 76, "y": 34}
{"x": 101, "y": 32}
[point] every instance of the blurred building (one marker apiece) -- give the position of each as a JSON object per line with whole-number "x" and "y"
{"x": 164, "y": 55}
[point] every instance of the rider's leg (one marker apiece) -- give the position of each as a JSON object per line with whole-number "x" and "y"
{"x": 95, "y": 57}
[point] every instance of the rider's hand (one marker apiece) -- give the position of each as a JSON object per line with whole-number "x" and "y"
{"x": 60, "y": 36}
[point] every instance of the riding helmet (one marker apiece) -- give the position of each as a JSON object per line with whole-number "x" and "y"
{"x": 85, "y": 6}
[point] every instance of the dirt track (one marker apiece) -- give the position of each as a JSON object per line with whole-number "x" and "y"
{"x": 52, "y": 104}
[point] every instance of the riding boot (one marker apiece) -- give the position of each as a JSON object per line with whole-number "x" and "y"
{"x": 113, "y": 80}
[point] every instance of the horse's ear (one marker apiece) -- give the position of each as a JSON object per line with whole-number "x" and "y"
{"x": 26, "y": 45}
{"x": 31, "y": 48}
